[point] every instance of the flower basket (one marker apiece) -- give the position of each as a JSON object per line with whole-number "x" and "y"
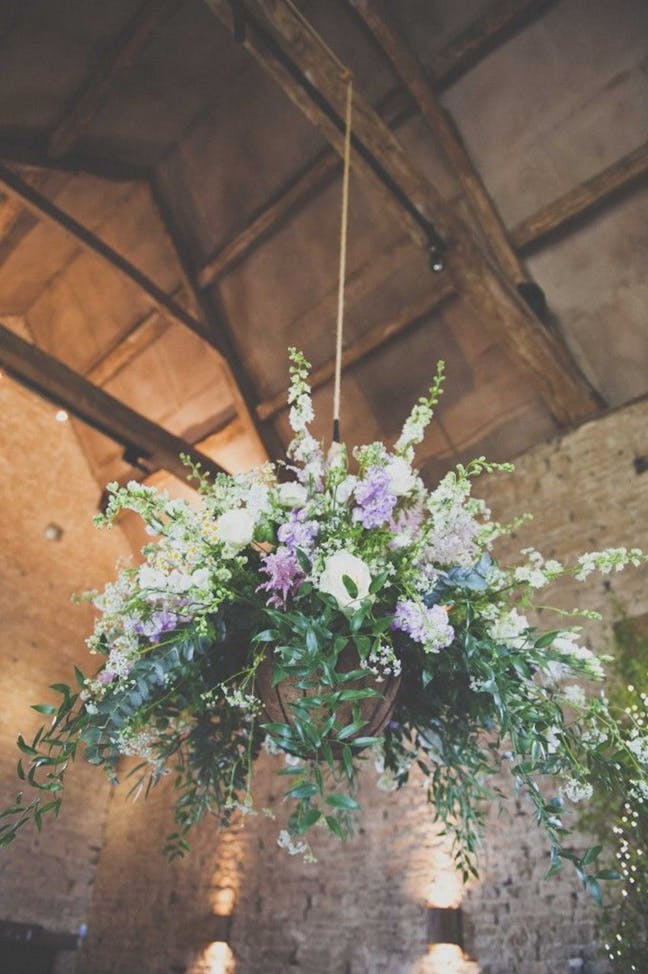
{"x": 368, "y": 712}
{"x": 297, "y": 615}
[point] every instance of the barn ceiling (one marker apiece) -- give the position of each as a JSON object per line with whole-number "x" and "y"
{"x": 169, "y": 223}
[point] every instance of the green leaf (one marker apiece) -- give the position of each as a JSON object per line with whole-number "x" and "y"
{"x": 363, "y": 741}
{"x": 44, "y": 708}
{"x": 350, "y": 586}
{"x": 308, "y": 819}
{"x": 591, "y": 854}
{"x": 351, "y": 729}
{"x": 378, "y": 583}
{"x": 347, "y": 761}
{"x": 607, "y": 874}
{"x": 341, "y": 801}
{"x": 26, "y": 748}
{"x": 307, "y": 790}
{"x": 335, "y": 826}
{"x": 546, "y": 639}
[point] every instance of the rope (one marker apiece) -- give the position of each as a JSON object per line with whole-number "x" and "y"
{"x": 342, "y": 274}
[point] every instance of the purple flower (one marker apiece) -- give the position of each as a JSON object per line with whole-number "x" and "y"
{"x": 160, "y": 622}
{"x": 374, "y": 498}
{"x": 297, "y": 532}
{"x": 285, "y": 575}
{"x": 427, "y": 625}
{"x": 106, "y": 676}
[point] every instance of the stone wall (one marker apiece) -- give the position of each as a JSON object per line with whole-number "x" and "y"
{"x": 360, "y": 908}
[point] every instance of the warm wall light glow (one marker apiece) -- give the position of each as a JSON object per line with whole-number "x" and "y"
{"x": 445, "y": 891}
{"x": 448, "y": 959}
{"x": 215, "y": 959}
{"x": 223, "y": 901}
{"x": 61, "y": 416}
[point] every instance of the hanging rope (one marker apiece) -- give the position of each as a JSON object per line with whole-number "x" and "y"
{"x": 342, "y": 272}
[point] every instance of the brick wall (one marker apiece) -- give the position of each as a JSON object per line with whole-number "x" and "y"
{"x": 46, "y": 879}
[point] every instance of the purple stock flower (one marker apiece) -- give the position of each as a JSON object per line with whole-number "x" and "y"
{"x": 160, "y": 622}
{"x": 106, "y": 676}
{"x": 297, "y": 532}
{"x": 427, "y": 625}
{"x": 374, "y": 498}
{"x": 285, "y": 575}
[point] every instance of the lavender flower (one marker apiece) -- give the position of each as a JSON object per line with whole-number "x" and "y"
{"x": 428, "y": 626}
{"x": 297, "y": 532}
{"x": 374, "y": 498}
{"x": 160, "y": 622}
{"x": 285, "y": 575}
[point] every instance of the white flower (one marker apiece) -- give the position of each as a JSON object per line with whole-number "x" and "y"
{"x": 335, "y": 568}
{"x": 291, "y": 494}
{"x": 510, "y": 628}
{"x": 236, "y": 527}
{"x": 151, "y": 578}
{"x": 344, "y": 490}
{"x": 639, "y": 747}
{"x": 401, "y": 479}
{"x": 576, "y": 791}
{"x": 574, "y": 695}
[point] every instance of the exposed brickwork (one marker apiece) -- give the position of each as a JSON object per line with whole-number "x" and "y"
{"x": 46, "y": 879}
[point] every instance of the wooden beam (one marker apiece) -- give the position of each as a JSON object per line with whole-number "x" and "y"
{"x": 582, "y": 200}
{"x": 499, "y": 21}
{"x": 88, "y": 101}
{"x": 141, "y": 438}
{"x": 137, "y": 339}
{"x": 411, "y": 73}
{"x": 308, "y": 73}
{"x": 310, "y": 181}
{"x": 213, "y": 317}
{"x": 45, "y": 209}
{"x": 30, "y": 152}
{"x": 411, "y": 315}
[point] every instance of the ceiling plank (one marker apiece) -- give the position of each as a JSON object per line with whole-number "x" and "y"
{"x": 411, "y": 73}
{"x": 498, "y": 22}
{"x": 54, "y": 381}
{"x": 216, "y": 326}
{"x": 88, "y": 101}
{"x": 373, "y": 339}
{"x": 45, "y": 209}
{"x": 583, "y": 199}
{"x": 312, "y": 79}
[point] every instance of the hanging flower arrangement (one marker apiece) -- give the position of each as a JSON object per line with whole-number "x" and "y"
{"x": 345, "y": 620}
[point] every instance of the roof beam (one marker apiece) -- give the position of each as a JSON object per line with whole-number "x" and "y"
{"x": 88, "y": 101}
{"x": 213, "y": 316}
{"x": 11, "y": 183}
{"x": 411, "y": 73}
{"x": 582, "y": 200}
{"x": 373, "y": 339}
{"x": 54, "y": 381}
{"x": 498, "y": 22}
{"x": 311, "y": 78}
{"x": 29, "y": 152}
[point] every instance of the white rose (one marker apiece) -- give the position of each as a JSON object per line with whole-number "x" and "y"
{"x": 151, "y": 578}
{"x": 236, "y": 527}
{"x": 401, "y": 479}
{"x": 335, "y": 568}
{"x": 291, "y": 494}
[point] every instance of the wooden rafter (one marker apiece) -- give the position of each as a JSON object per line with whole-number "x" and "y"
{"x": 45, "y": 209}
{"x": 31, "y": 153}
{"x": 313, "y": 81}
{"x": 373, "y": 339}
{"x": 584, "y": 199}
{"x": 142, "y": 439}
{"x": 411, "y": 73}
{"x": 88, "y": 101}
{"x": 216, "y": 327}
{"x": 496, "y": 23}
